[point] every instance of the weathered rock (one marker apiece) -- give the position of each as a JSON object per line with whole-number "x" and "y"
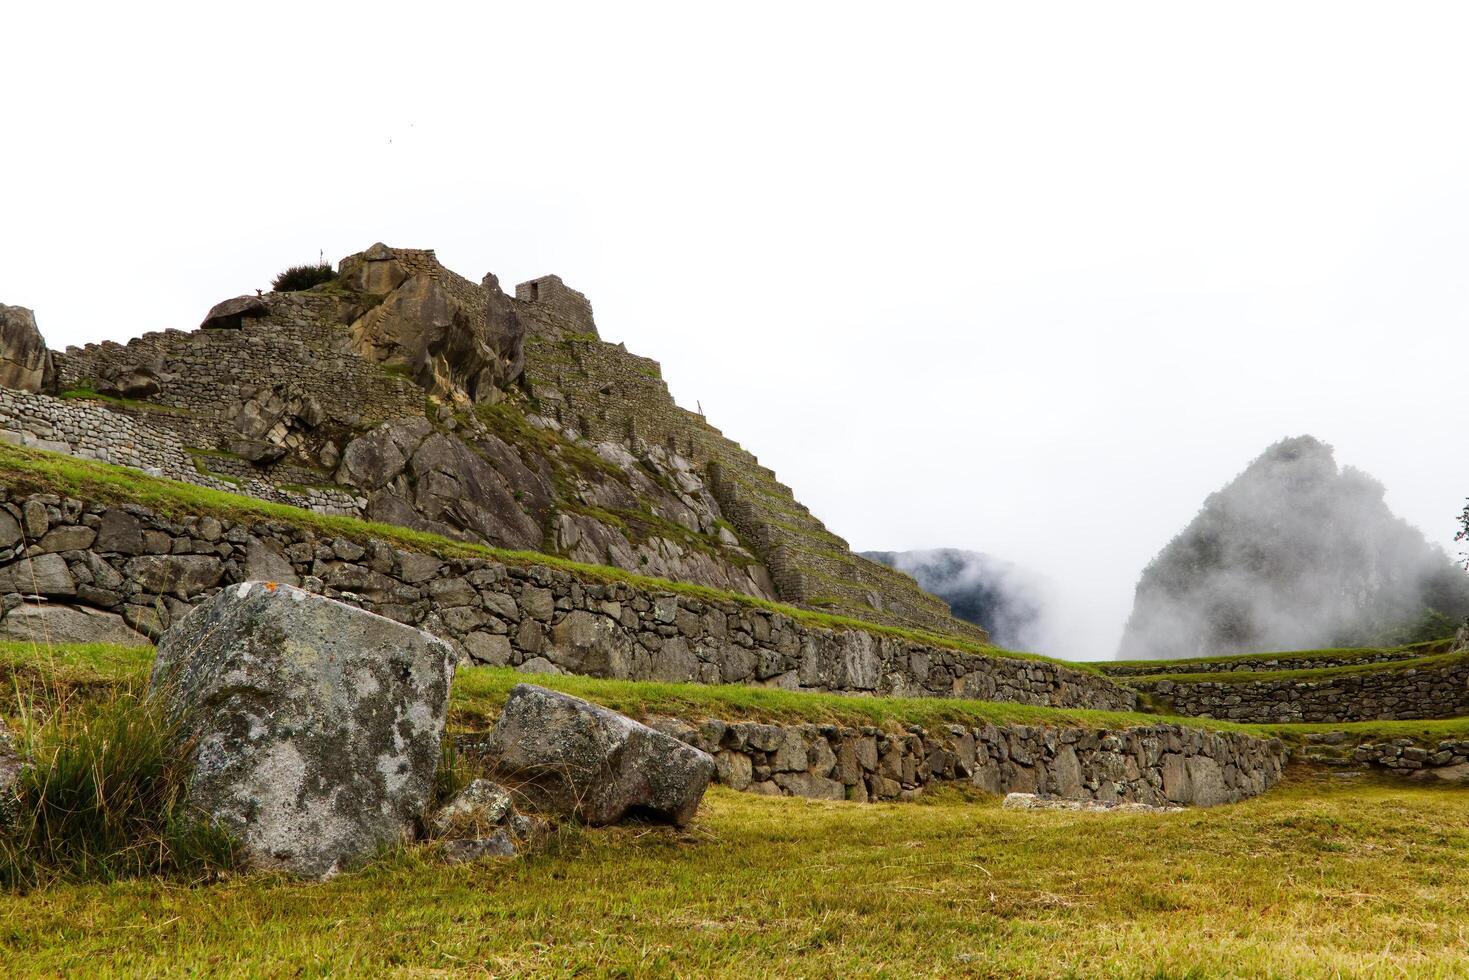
{"x": 586, "y": 760}
{"x": 475, "y": 811}
{"x": 179, "y": 575}
{"x": 504, "y": 334}
{"x": 376, "y": 271}
{"x": 129, "y": 381}
{"x": 25, "y": 363}
{"x": 313, "y": 727}
{"x": 38, "y": 575}
{"x": 423, "y": 329}
{"x": 497, "y": 844}
{"x": 38, "y": 622}
{"x": 257, "y": 451}
{"x": 232, "y": 313}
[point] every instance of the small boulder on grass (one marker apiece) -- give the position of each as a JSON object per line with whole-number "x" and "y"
{"x": 312, "y": 728}
{"x": 584, "y": 760}
{"x": 481, "y": 822}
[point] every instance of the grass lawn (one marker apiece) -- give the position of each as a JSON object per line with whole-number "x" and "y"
{"x": 1319, "y": 878}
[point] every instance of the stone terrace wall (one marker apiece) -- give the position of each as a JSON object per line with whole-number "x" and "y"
{"x": 1446, "y": 760}
{"x": 149, "y": 571}
{"x": 1284, "y": 661}
{"x": 302, "y": 341}
{"x": 1406, "y": 693}
{"x": 89, "y": 430}
{"x": 1156, "y": 764}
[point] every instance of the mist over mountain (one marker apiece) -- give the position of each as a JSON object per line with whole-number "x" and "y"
{"x": 979, "y": 588}
{"x": 1295, "y": 553}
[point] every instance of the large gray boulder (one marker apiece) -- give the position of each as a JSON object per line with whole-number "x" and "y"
{"x": 583, "y": 759}
{"x": 25, "y": 363}
{"x": 312, "y": 727}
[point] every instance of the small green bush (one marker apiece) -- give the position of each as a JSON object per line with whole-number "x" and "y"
{"x": 103, "y": 799}
{"x": 299, "y": 277}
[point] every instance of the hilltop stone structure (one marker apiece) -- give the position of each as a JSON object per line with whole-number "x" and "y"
{"x": 405, "y": 393}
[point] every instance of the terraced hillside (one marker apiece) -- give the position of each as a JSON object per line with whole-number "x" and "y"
{"x": 404, "y": 393}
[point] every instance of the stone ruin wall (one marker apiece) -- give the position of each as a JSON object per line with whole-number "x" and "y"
{"x": 146, "y": 571}
{"x": 1158, "y": 764}
{"x": 1408, "y": 693}
{"x": 88, "y": 430}
{"x": 214, "y": 371}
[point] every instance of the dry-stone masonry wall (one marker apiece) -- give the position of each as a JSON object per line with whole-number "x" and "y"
{"x": 149, "y": 570}
{"x": 89, "y": 430}
{"x": 1155, "y": 764}
{"x": 1446, "y": 759}
{"x": 1439, "y": 690}
{"x": 210, "y": 373}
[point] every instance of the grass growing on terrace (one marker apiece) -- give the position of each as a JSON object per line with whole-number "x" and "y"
{"x": 1406, "y": 652}
{"x": 30, "y": 469}
{"x": 1318, "y": 878}
{"x": 480, "y": 692}
{"x": 1306, "y": 674}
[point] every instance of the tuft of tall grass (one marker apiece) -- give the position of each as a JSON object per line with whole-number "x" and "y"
{"x": 103, "y": 797}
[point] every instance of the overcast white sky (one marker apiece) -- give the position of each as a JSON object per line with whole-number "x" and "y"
{"x": 1031, "y": 279}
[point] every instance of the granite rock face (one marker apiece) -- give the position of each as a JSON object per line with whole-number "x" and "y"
{"x": 580, "y": 758}
{"x": 313, "y": 728}
{"x": 25, "y": 363}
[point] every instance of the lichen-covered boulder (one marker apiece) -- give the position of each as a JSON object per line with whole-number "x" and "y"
{"x": 582, "y": 759}
{"x": 313, "y": 728}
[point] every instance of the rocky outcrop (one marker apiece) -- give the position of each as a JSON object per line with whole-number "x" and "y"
{"x": 418, "y": 477}
{"x": 25, "y": 363}
{"x": 582, "y": 759}
{"x": 312, "y": 728}
{"x": 231, "y": 314}
{"x": 452, "y": 346}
